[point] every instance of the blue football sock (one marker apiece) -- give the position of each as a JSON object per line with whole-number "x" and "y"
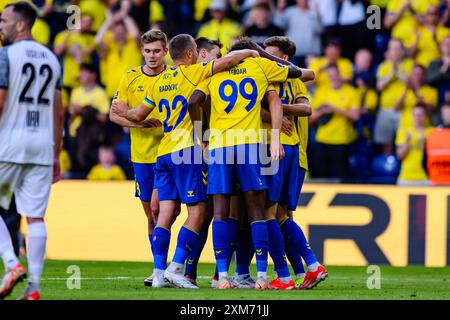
{"x": 160, "y": 247}
{"x": 233, "y": 229}
{"x": 221, "y": 243}
{"x": 295, "y": 259}
{"x": 297, "y": 241}
{"x": 276, "y": 248}
{"x": 194, "y": 256}
{"x": 244, "y": 252}
{"x": 261, "y": 244}
{"x": 187, "y": 240}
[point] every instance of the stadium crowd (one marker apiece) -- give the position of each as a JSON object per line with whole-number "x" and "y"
{"x": 377, "y": 92}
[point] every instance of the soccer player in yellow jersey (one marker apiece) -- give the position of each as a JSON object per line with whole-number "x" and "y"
{"x": 235, "y": 124}
{"x": 284, "y": 187}
{"x": 180, "y": 171}
{"x": 144, "y": 140}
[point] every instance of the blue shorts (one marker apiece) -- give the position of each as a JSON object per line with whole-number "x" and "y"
{"x": 285, "y": 184}
{"x": 144, "y": 175}
{"x": 182, "y": 176}
{"x": 235, "y": 168}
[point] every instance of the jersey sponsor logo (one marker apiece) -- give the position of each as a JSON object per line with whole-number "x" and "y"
{"x": 236, "y": 71}
{"x": 169, "y": 87}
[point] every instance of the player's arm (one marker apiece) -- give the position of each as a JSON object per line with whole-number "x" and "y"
{"x": 4, "y": 77}
{"x": 294, "y": 71}
{"x": 276, "y": 114}
{"x": 286, "y": 124}
{"x": 393, "y": 17}
{"x": 301, "y": 108}
{"x": 3, "y": 93}
{"x": 124, "y": 122}
{"x": 197, "y": 102}
{"x": 351, "y": 114}
{"x": 233, "y": 58}
{"x": 135, "y": 115}
{"x": 58, "y": 124}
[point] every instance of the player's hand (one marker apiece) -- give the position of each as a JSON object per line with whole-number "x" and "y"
{"x": 276, "y": 149}
{"x": 151, "y": 123}
{"x": 254, "y": 53}
{"x": 119, "y": 108}
{"x": 286, "y": 126}
{"x": 56, "y": 170}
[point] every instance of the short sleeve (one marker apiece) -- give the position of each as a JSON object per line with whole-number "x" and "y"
{"x": 275, "y": 72}
{"x": 4, "y": 68}
{"x": 382, "y": 71}
{"x": 300, "y": 90}
{"x": 149, "y": 100}
{"x": 74, "y": 96}
{"x": 346, "y": 69}
{"x": 196, "y": 73}
{"x": 121, "y": 93}
{"x": 59, "y": 38}
{"x": 271, "y": 87}
{"x": 204, "y": 87}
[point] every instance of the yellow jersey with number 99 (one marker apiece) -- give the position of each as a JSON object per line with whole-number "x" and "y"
{"x": 236, "y": 96}
{"x": 169, "y": 95}
{"x": 132, "y": 90}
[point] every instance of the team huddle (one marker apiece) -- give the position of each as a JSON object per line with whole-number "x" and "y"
{"x": 226, "y": 136}
{"x": 223, "y": 153}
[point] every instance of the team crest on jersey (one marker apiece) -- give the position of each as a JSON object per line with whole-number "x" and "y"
{"x": 175, "y": 74}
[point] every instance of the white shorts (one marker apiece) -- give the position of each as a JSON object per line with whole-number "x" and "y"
{"x": 30, "y": 185}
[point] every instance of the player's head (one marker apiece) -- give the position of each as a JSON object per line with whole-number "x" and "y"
{"x": 182, "y": 48}
{"x": 88, "y": 74}
{"x": 242, "y": 43}
{"x": 208, "y": 49}
{"x": 419, "y": 114}
{"x": 363, "y": 59}
{"x": 154, "y": 48}
{"x": 304, "y": 4}
{"x": 16, "y": 21}
{"x": 280, "y": 47}
{"x": 106, "y": 155}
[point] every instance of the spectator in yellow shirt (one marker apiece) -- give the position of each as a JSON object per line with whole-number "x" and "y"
{"x": 429, "y": 37}
{"x": 416, "y": 92}
{"x": 335, "y": 110}
{"x": 320, "y": 65}
{"x": 118, "y": 45}
{"x": 403, "y": 16}
{"x": 75, "y": 47}
{"x": 392, "y": 76}
{"x": 88, "y": 94}
{"x": 220, "y": 27}
{"x": 106, "y": 169}
{"x": 410, "y": 144}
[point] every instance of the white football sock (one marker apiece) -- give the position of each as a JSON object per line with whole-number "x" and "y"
{"x": 223, "y": 275}
{"x": 285, "y": 279}
{"x": 175, "y": 267}
{"x": 313, "y": 267}
{"x": 37, "y": 238}
{"x": 6, "y": 248}
{"x": 158, "y": 272}
{"x": 262, "y": 275}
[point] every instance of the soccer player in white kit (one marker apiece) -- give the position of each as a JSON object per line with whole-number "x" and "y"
{"x": 31, "y": 120}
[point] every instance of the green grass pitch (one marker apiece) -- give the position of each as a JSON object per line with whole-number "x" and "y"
{"x": 124, "y": 280}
